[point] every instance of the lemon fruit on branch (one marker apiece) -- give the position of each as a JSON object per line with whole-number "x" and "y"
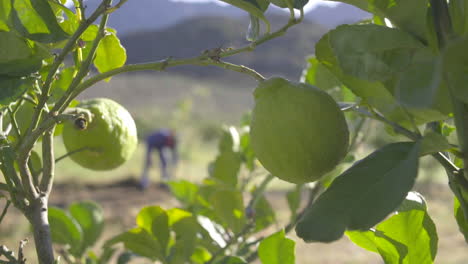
{"x": 106, "y": 140}
{"x": 298, "y": 131}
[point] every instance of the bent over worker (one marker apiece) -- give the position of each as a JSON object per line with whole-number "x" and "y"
{"x": 161, "y": 140}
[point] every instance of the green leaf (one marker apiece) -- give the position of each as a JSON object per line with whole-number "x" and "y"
{"x": 64, "y": 229}
{"x": 420, "y": 85}
{"x": 229, "y": 207}
{"x": 139, "y": 241}
{"x": 390, "y": 250}
{"x": 110, "y": 54}
{"x": 433, "y": 142}
{"x": 184, "y": 191}
{"x": 186, "y": 235}
{"x": 5, "y": 9}
{"x": 253, "y": 31}
{"x": 409, "y": 236}
{"x": 372, "y": 52}
{"x": 61, "y": 84}
{"x": 317, "y": 74}
{"x": 409, "y": 16}
{"x": 363, "y": 195}
{"x": 248, "y": 154}
{"x": 11, "y": 88}
{"x": 460, "y": 217}
{"x": 155, "y": 221}
{"x": 264, "y": 214}
{"x": 253, "y": 7}
{"x": 459, "y": 15}
{"x": 373, "y": 93}
{"x": 456, "y": 68}
{"x": 89, "y": 216}
{"x": 200, "y": 255}
{"x": 226, "y": 167}
{"x": 18, "y": 56}
{"x": 35, "y": 20}
{"x": 277, "y": 249}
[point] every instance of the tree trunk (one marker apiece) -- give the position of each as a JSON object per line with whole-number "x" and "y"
{"x": 37, "y": 216}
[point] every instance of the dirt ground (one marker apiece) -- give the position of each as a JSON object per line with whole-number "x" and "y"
{"x": 122, "y": 200}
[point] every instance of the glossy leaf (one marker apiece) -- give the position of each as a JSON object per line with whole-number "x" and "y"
{"x": 36, "y": 20}
{"x": 200, "y": 255}
{"x": 5, "y": 8}
{"x": 61, "y": 84}
{"x": 371, "y": 52}
{"x": 226, "y": 167}
{"x": 110, "y": 54}
{"x": 410, "y": 16}
{"x": 19, "y": 56}
{"x": 64, "y": 229}
{"x": 374, "y": 93}
{"x": 155, "y": 221}
{"x": 420, "y": 85}
{"x": 433, "y": 142}
{"x": 320, "y": 76}
{"x": 277, "y": 249}
{"x": 184, "y": 191}
{"x": 460, "y": 217}
{"x": 459, "y": 15}
{"x": 12, "y": 88}
{"x": 229, "y": 207}
{"x": 89, "y": 216}
{"x": 409, "y": 236}
{"x": 139, "y": 241}
{"x": 185, "y": 243}
{"x": 390, "y": 250}
{"x": 455, "y": 68}
{"x": 253, "y": 32}
{"x": 363, "y": 195}
{"x": 248, "y": 154}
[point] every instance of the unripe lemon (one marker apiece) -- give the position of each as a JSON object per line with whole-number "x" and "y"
{"x": 298, "y": 131}
{"x": 107, "y": 141}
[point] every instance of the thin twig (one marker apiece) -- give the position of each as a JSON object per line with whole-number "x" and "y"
{"x": 5, "y": 210}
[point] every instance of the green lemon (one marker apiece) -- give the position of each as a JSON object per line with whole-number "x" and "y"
{"x": 298, "y": 131}
{"x": 107, "y": 141}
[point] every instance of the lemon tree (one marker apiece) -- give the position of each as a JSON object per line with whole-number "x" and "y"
{"x": 106, "y": 140}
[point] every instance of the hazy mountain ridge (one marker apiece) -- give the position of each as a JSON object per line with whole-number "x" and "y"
{"x": 141, "y": 15}
{"x": 283, "y": 56}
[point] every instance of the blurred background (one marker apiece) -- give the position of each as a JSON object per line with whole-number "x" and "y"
{"x": 197, "y": 101}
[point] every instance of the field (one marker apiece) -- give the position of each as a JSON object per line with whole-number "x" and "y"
{"x": 197, "y": 109}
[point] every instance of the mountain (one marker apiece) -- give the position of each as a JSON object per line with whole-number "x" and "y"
{"x": 144, "y": 15}
{"x": 281, "y": 56}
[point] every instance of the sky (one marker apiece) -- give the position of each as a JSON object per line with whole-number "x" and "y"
{"x": 311, "y": 5}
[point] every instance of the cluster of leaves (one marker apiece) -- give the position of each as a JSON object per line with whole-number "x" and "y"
{"x": 212, "y": 225}
{"x": 30, "y": 33}
{"x": 403, "y": 73}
